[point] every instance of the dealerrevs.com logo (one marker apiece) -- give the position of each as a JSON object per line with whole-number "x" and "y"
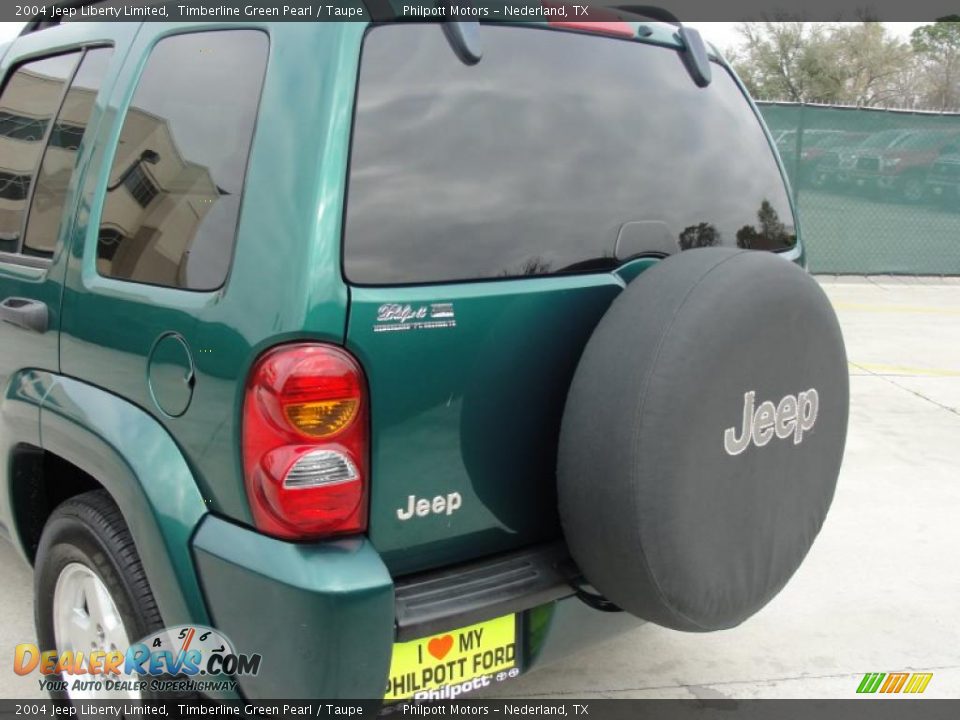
{"x": 186, "y": 658}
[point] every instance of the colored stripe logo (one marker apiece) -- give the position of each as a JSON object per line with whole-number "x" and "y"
{"x": 897, "y": 682}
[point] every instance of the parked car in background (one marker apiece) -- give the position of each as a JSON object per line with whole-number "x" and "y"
{"x": 902, "y": 168}
{"x": 836, "y": 165}
{"x": 943, "y": 180}
{"x": 815, "y": 145}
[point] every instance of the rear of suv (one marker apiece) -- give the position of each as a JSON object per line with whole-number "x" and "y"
{"x": 372, "y": 346}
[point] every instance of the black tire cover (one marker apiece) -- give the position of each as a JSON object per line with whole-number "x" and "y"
{"x": 669, "y": 509}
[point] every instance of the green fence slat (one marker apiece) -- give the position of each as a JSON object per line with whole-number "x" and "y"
{"x": 878, "y": 191}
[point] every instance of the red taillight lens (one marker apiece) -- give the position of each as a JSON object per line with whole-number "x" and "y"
{"x": 305, "y": 442}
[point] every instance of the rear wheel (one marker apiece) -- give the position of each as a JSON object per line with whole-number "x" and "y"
{"x": 914, "y": 189}
{"x": 90, "y": 589}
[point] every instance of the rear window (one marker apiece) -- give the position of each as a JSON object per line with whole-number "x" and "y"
{"x": 557, "y": 152}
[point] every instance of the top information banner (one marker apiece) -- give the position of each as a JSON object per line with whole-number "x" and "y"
{"x": 482, "y": 10}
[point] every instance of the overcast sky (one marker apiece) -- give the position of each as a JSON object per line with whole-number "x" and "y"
{"x": 722, "y": 34}
{"x": 9, "y": 31}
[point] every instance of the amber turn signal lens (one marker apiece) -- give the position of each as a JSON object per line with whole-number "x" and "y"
{"x": 323, "y": 418}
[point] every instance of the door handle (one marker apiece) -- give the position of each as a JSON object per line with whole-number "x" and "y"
{"x": 25, "y": 313}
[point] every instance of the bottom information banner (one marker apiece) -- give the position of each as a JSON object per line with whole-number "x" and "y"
{"x": 872, "y": 709}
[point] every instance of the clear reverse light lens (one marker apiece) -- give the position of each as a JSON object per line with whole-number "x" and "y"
{"x": 321, "y": 467}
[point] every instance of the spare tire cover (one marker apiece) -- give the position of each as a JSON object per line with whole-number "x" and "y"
{"x": 702, "y": 437}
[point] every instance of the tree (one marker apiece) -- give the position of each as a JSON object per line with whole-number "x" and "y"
{"x": 772, "y": 234}
{"x": 836, "y": 63}
{"x": 871, "y": 61}
{"x": 938, "y": 48}
{"x": 697, "y": 236}
{"x": 787, "y": 60}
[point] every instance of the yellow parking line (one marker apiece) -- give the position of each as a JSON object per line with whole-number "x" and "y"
{"x": 916, "y": 309}
{"x": 904, "y": 369}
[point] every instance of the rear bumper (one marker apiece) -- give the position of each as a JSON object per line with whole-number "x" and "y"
{"x": 444, "y": 600}
{"x": 324, "y": 617}
{"x": 321, "y": 616}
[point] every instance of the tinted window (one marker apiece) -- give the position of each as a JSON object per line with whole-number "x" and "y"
{"x": 554, "y": 153}
{"x": 884, "y": 139}
{"x": 927, "y": 140}
{"x": 27, "y": 105}
{"x": 46, "y": 208}
{"x": 173, "y": 198}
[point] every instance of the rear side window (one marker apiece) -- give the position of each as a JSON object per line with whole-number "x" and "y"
{"x": 59, "y": 158}
{"x": 28, "y": 105}
{"x": 173, "y": 199}
{"x": 557, "y": 152}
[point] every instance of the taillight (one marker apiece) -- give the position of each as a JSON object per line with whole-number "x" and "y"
{"x": 305, "y": 442}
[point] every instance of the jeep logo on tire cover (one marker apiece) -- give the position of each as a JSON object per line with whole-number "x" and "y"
{"x": 793, "y": 415}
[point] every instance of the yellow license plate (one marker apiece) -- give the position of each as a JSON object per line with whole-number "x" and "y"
{"x": 448, "y": 665}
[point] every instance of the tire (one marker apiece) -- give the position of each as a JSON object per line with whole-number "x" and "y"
{"x": 84, "y": 542}
{"x": 949, "y": 202}
{"x": 702, "y": 437}
{"x": 914, "y": 189}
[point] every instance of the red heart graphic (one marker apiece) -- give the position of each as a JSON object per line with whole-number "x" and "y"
{"x": 439, "y": 647}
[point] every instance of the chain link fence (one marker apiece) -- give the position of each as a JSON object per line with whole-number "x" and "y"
{"x": 878, "y": 190}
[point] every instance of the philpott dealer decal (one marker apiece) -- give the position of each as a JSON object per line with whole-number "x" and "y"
{"x": 186, "y": 658}
{"x": 393, "y": 317}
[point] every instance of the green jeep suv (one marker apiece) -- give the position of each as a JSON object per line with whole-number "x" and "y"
{"x": 401, "y": 356}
